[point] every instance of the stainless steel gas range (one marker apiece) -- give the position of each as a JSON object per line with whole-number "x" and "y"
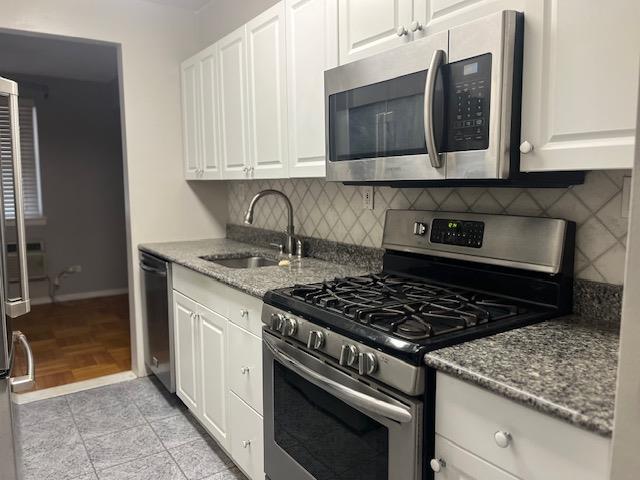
{"x": 346, "y": 393}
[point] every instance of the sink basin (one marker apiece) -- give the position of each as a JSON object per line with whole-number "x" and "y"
{"x": 242, "y": 262}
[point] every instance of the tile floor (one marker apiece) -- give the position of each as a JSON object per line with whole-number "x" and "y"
{"x": 128, "y": 431}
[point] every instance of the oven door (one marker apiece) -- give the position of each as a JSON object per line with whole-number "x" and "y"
{"x": 321, "y": 423}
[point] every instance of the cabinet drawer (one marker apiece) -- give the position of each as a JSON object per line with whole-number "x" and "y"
{"x": 245, "y": 366}
{"x": 459, "y": 464}
{"x": 245, "y": 311}
{"x": 247, "y": 443}
{"x": 204, "y": 290}
{"x": 541, "y": 446}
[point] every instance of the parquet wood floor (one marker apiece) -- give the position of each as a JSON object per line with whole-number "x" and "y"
{"x": 77, "y": 340}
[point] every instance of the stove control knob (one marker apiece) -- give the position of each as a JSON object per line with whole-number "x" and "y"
{"x": 367, "y": 364}
{"x": 277, "y": 320}
{"x": 289, "y": 327}
{"x": 316, "y": 340}
{"x": 348, "y": 355}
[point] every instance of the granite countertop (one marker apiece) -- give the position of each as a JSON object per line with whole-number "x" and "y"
{"x": 254, "y": 281}
{"x": 563, "y": 367}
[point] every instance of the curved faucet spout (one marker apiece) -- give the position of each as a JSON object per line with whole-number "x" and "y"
{"x": 248, "y": 216}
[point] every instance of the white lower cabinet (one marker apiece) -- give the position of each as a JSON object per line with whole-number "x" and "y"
{"x": 219, "y": 363}
{"x": 517, "y": 440}
{"x": 247, "y": 441}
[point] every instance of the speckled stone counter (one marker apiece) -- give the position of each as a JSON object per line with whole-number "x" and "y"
{"x": 254, "y": 281}
{"x": 561, "y": 367}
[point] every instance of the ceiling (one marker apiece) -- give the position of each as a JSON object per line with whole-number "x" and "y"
{"x": 53, "y": 57}
{"x": 193, "y": 5}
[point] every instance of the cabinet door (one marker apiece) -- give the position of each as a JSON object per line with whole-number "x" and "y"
{"x": 458, "y": 464}
{"x": 190, "y": 71}
{"x": 186, "y": 350}
{"x": 209, "y": 129}
{"x": 371, "y": 26}
{"x": 213, "y": 362}
{"x": 234, "y": 136}
{"x": 312, "y": 48}
{"x": 245, "y": 366}
{"x": 247, "y": 444}
{"x": 580, "y": 84}
{"x": 266, "y": 59}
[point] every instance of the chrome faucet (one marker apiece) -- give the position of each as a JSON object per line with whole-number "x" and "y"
{"x": 290, "y": 246}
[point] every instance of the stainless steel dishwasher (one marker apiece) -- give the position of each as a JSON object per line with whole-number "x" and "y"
{"x": 157, "y": 318}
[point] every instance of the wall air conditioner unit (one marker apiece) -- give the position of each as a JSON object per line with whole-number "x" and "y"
{"x": 35, "y": 261}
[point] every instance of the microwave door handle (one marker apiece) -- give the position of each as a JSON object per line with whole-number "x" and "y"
{"x": 437, "y": 60}
{"x": 16, "y": 307}
{"x": 348, "y": 395}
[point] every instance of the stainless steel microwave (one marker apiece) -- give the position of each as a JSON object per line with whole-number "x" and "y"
{"x": 441, "y": 110}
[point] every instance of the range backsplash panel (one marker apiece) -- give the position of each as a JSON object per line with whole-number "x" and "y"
{"x": 336, "y": 212}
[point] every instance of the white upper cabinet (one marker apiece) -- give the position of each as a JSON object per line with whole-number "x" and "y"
{"x": 200, "y": 116}
{"x": 191, "y": 118}
{"x": 234, "y": 122}
{"x": 267, "y": 93}
{"x": 312, "y": 48}
{"x": 580, "y": 84}
{"x": 371, "y": 26}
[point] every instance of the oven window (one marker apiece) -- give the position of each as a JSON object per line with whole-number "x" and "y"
{"x": 328, "y": 438}
{"x": 385, "y": 119}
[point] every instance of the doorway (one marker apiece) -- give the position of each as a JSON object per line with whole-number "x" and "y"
{"x": 73, "y": 182}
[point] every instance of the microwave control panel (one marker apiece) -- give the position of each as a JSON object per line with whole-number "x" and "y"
{"x": 457, "y": 232}
{"x": 468, "y": 95}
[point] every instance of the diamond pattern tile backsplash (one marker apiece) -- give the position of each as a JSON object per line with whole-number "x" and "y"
{"x": 335, "y": 212}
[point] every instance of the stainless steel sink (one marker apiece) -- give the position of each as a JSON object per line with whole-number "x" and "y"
{"x": 242, "y": 262}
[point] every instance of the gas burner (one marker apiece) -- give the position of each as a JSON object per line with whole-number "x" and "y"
{"x": 404, "y": 307}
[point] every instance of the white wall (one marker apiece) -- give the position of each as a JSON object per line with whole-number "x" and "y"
{"x": 220, "y": 17}
{"x": 154, "y": 40}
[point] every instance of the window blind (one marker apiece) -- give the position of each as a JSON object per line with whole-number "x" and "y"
{"x": 30, "y": 160}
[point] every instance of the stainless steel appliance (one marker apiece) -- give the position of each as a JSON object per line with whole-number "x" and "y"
{"x": 443, "y": 110}
{"x": 158, "y": 318}
{"x": 346, "y": 393}
{"x": 14, "y": 302}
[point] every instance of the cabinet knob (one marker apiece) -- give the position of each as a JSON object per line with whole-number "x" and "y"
{"x": 245, "y": 169}
{"x": 526, "y": 147}
{"x": 503, "y": 439}
{"x": 244, "y": 312}
{"x": 244, "y": 370}
{"x": 437, "y": 464}
{"x": 416, "y": 26}
{"x": 402, "y": 31}
{"x": 245, "y": 443}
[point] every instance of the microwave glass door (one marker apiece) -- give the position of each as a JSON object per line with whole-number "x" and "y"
{"x": 328, "y": 438}
{"x": 385, "y": 119}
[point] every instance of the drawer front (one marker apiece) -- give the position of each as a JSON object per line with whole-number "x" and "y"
{"x": 541, "y": 447}
{"x": 204, "y": 290}
{"x": 247, "y": 443}
{"x": 245, "y": 311}
{"x": 245, "y": 366}
{"x": 458, "y": 464}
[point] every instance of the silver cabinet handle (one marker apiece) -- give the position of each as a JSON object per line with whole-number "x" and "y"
{"x": 526, "y": 147}
{"x": 245, "y": 443}
{"x": 416, "y": 26}
{"x": 437, "y": 60}
{"x": 28, "y": 381}
{"x": 244, "y": 312}
{"x": 342, "y": 392}
{"x": 244, "y": 370}
{"x": 16, "y": 307}
{"x": 437, "y": 464}
{"x": 402, "y": 31}
{"x": 503, "y": 439}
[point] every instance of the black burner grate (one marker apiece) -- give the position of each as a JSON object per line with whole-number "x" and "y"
{"x": 404, "y": 307}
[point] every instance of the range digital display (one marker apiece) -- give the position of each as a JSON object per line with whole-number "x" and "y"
{"x": 457, "y": 232}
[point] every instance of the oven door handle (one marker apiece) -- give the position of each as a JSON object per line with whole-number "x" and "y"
{"x": 353, "y": 397}
{"x": 437, "y": 60}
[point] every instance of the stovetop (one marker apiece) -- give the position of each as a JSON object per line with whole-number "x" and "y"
{"x": 403, "y": 315}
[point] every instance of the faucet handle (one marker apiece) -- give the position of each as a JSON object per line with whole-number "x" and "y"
{"x": 299, "y": 248}
{"x": 279, "y": 246}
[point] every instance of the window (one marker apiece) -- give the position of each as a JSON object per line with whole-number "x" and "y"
{"x": 31, "y": 190}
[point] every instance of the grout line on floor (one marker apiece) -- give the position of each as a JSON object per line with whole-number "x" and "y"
{"x": 75, "y": 424}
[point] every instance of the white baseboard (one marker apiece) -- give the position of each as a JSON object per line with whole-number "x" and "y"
{"x": 80, "y": 296}
{"x": 28, "y": 397}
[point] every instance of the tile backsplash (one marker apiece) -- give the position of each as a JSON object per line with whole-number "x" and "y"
{"x": 334, "y": 211}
